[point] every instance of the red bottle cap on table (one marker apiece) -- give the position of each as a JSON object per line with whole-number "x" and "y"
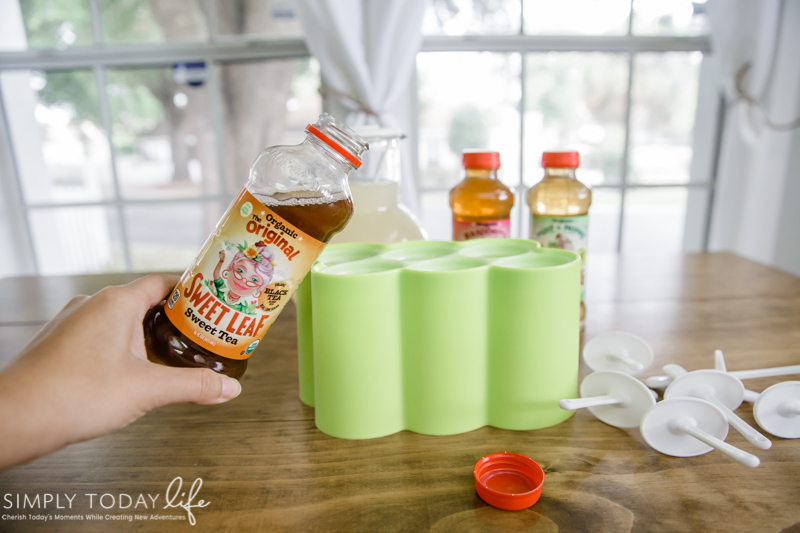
{"x": 561, "y": 159}
{"x": 509, "y": 481}
{"x": 490, "y": 160}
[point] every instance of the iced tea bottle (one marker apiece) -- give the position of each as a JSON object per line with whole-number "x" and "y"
{"x": 559, "y": 207}
{"x": 295, "y": 201}
{"x": 481, "y": 203}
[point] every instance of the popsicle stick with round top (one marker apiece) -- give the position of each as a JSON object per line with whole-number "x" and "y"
{"x": 777, "y": 410}
{"x": 750, "y": 396}
{"x": 686, "y": 427}
{"x": 615, "y": 398}
{"x": 719, "y": 388}
{"x": 661, "y": 382}
{"x": 619, "y": 351}
{"x": 766, "y": 372}
{"x": 658, "y": 382}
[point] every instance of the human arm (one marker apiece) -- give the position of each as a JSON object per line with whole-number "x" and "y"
{"x": 86, "y": 374}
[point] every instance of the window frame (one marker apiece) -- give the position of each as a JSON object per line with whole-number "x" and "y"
{"x": 221, "y": 49}
{"x": 708, "y": 114}
{"x": 101, "y": 56}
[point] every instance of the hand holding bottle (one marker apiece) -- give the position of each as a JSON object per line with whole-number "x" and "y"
{"x": 86, "y": 374}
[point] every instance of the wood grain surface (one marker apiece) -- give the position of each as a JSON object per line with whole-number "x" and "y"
{"x": 266, "y": 467}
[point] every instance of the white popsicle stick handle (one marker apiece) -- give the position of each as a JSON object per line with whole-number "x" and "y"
{"x": 719, "y": 361}
{"x": 750, "y": 396}
{"x": 658, "y": 382}
{"x": 766, "y": 372}
{"x": 753, "y": 437}
{"x": 674, "y": 371}
{"x": 594, "y": 401}
{"x": 627, "y": 361}
{"x": 747, "y": 459}
{"x": 791, "y": 408}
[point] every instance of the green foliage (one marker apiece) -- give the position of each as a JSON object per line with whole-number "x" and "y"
{"x": 467, "y": 130}
{"x": 134, "y": 94}
{"x": 596, "y": 81}
{"x": 665, "y": 94}
{"x": 306, "y": 79}
{"x": 575, "y": 90}
{"x": 129, "y": 21}
{"x": 137, "y": 98}
{"x": 123, "y": 21}
{"x": 43, "y": 20}
{"x": 74, "y": 88}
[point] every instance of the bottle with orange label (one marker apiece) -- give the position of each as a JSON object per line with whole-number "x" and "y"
{"x": 481, "y": 203}
{"x": 559, "y": 207}
{"x": 295, "y": 201}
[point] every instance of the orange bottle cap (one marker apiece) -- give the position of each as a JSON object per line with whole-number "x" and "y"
{"x": 560, "y": 159}
{"x": 508, "y": 481}
{"x": 338, "y": 148}
{"x": 489, "y": 160}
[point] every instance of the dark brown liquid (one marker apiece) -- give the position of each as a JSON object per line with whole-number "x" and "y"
{"x": 165, "y": 344}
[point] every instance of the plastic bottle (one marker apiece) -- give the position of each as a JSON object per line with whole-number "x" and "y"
{"x": 481, "y": 203}
{"x": 294, "y": 202}
{"x": 379, "y": 216}
{"x": 559, "y": 207}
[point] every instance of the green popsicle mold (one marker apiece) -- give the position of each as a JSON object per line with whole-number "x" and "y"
{"x": 438, "y": 337}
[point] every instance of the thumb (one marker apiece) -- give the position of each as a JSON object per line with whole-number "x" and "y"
{"x": 196, "y": 385}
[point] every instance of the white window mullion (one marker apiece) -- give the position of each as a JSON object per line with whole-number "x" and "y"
{"x": 97, "y": 23}
{"x": 625, "y": 153}
{"x": 105, "y": 121}
{"x": 15, "y": 231}
{"x": 520, "y": 188}
{"x": 218, "y": 123}
{"x": 705, "y": 141}
{"x": 210, "y": 7}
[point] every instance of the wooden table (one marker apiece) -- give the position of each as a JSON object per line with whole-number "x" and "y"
{"x": 266, "y": 467}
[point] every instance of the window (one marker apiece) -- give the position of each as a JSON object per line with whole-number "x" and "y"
{"x": 133, "y": 124}
{"x": 527, "y": 76}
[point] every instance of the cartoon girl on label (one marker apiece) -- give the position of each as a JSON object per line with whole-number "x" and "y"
{"x": 240, "y": 285}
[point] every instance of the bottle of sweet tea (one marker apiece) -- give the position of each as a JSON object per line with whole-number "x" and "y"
{"x": 559, "y": 207}
{"x": 295, "y": 200}
{"x": 481, "y": 203}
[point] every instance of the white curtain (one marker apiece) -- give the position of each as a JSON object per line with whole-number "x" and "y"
{"x": 757, "y": 199}
{"x": 367, "y": 52}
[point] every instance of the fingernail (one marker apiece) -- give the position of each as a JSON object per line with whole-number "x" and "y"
{"x": 231, "y": 388}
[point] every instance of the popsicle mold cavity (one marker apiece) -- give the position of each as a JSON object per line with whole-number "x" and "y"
{"x": 444, "y": 264}
{"x": 362, "y": 267}
{"x": 418, "y": 251}
{"x": 494, "y": 248}
{"x": 347, "y": 253}
{"x": 542, "y": 258}
{"x": 439, "y": 337}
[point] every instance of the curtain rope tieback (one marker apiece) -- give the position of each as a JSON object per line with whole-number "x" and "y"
{"x": 327, "y": 90}
{"x": 743, "y": 95}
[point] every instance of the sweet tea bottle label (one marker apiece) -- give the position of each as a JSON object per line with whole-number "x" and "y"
{"x": 465, "y": 231}
{"x": 242, "y": 278}
{"x": 565, "y": 233}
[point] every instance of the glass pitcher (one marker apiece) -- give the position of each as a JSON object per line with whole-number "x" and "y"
{"x": 379, "y": 216}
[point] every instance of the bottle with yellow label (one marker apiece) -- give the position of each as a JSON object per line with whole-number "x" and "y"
{"x": 294, "y": 202}
{"x": 559, "y": 207}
